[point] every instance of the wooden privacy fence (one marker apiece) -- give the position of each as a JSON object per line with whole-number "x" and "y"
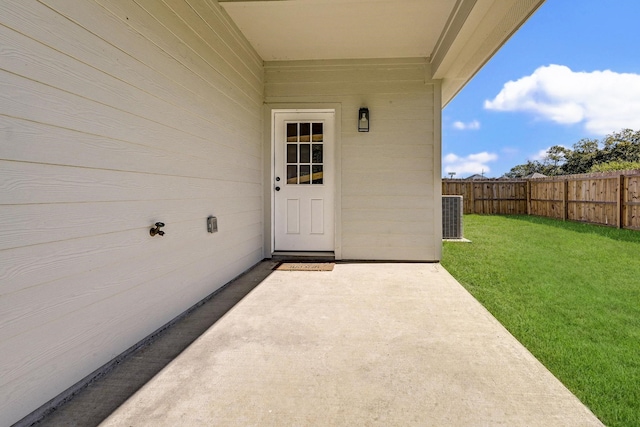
{"x": 606, "y": 199}
{"x": 489, "y": 197}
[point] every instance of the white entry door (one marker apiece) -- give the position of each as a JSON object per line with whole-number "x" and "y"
{"x": 303, "y": 181}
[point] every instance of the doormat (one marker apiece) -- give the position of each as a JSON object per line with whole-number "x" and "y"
{"x": 304, "y": 266}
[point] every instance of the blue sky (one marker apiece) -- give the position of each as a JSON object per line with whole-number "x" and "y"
{"x": 572, "y": 71}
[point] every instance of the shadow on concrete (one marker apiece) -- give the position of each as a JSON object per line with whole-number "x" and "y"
{"x": 96, "y": 401}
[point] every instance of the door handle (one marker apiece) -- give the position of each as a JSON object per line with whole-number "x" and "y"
{"x": 277, "y": 178}
{"x": 277, "y": 188}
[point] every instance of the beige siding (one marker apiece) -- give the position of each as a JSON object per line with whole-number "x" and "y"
{"x": 389, "y": 177}
{"x": 115, "y": 115}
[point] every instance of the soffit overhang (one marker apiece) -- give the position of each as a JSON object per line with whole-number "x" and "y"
{"x": 456, "y": 36}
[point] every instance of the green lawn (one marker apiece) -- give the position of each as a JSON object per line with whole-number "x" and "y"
{"x": 570, "y": 293}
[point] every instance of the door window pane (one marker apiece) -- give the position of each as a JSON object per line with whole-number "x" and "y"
{"x": 304, "y": 161}
{"x": 292, "y": 132}
{"x": 292, "y": 174}
{"x": 317, "y": 174}
{"x": 305, "y": 153}
{"x": 305, "y": 132}
{"x": 305, "y": 174}
{"x": 292, "y": 153}
{"x": 317, "y": 132}
{"x": 317, "y": 153}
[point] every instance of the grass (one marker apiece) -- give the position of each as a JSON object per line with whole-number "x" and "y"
{"x": 570, "y": 293}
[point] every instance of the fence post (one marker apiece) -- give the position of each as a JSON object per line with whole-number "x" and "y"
{"x": 528, "y": 197}
{"x": 620, "y": 202}
{"x": 472, "y": 197}
{"x": 565, "y": 199}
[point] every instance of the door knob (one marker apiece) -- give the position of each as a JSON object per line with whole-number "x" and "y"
{"x": 277, "y": 188}
{"x": 277, "y": 178}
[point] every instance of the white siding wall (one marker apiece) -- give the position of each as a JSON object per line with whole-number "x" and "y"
{"x": 115, "y": 115}
{"x": 389, "y": 177}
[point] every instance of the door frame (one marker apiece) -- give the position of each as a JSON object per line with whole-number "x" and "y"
{"x": 269, "y": 173}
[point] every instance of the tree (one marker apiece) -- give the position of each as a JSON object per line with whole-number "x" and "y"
{"x": 615, "y": 165}
{"x": 583, "y": 156}
{"x": 553, "y": 162}
{"x": 622, "y": 146}
{"x": 556, "y": 155}
{"x": 520, "y": 171}
{"x": 617, "y": 151}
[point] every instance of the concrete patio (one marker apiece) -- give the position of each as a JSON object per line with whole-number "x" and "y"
{"x": 364, "y": 344}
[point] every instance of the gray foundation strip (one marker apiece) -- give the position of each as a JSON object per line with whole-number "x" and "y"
{"x": 87, "y": 404}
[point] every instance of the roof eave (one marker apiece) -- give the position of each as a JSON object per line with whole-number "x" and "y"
{"x": 474, "y": 33}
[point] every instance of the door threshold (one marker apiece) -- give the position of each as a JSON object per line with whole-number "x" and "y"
{"x": 303, "y": 256}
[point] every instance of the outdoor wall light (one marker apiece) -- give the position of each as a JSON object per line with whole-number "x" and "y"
{"x": 363, "y": 120}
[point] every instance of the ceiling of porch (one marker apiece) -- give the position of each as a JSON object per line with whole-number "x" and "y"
{"x": 341, "y": 29}
{"x": 458, "y": 36}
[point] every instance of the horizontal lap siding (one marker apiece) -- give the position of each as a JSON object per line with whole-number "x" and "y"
{"x": 388, "y": 177}
{"x": 114, "y": 115}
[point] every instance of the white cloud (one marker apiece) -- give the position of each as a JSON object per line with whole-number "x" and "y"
{"x": 474, "y": 125}
{"x": 469, "y": 165}
{"x": 510, "y": 151}
{"x": 540, "y": 155}
{"x": 603, "y": 101}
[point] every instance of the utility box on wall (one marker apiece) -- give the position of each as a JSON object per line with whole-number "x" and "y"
{"x": 452, "y": 210}
{"x": 212, "y": 224}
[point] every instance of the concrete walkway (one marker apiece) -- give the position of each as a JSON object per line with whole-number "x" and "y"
{"x": 364, "y": 344}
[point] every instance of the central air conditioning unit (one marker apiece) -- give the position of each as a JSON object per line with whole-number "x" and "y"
{"x": 452, "y": 210}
